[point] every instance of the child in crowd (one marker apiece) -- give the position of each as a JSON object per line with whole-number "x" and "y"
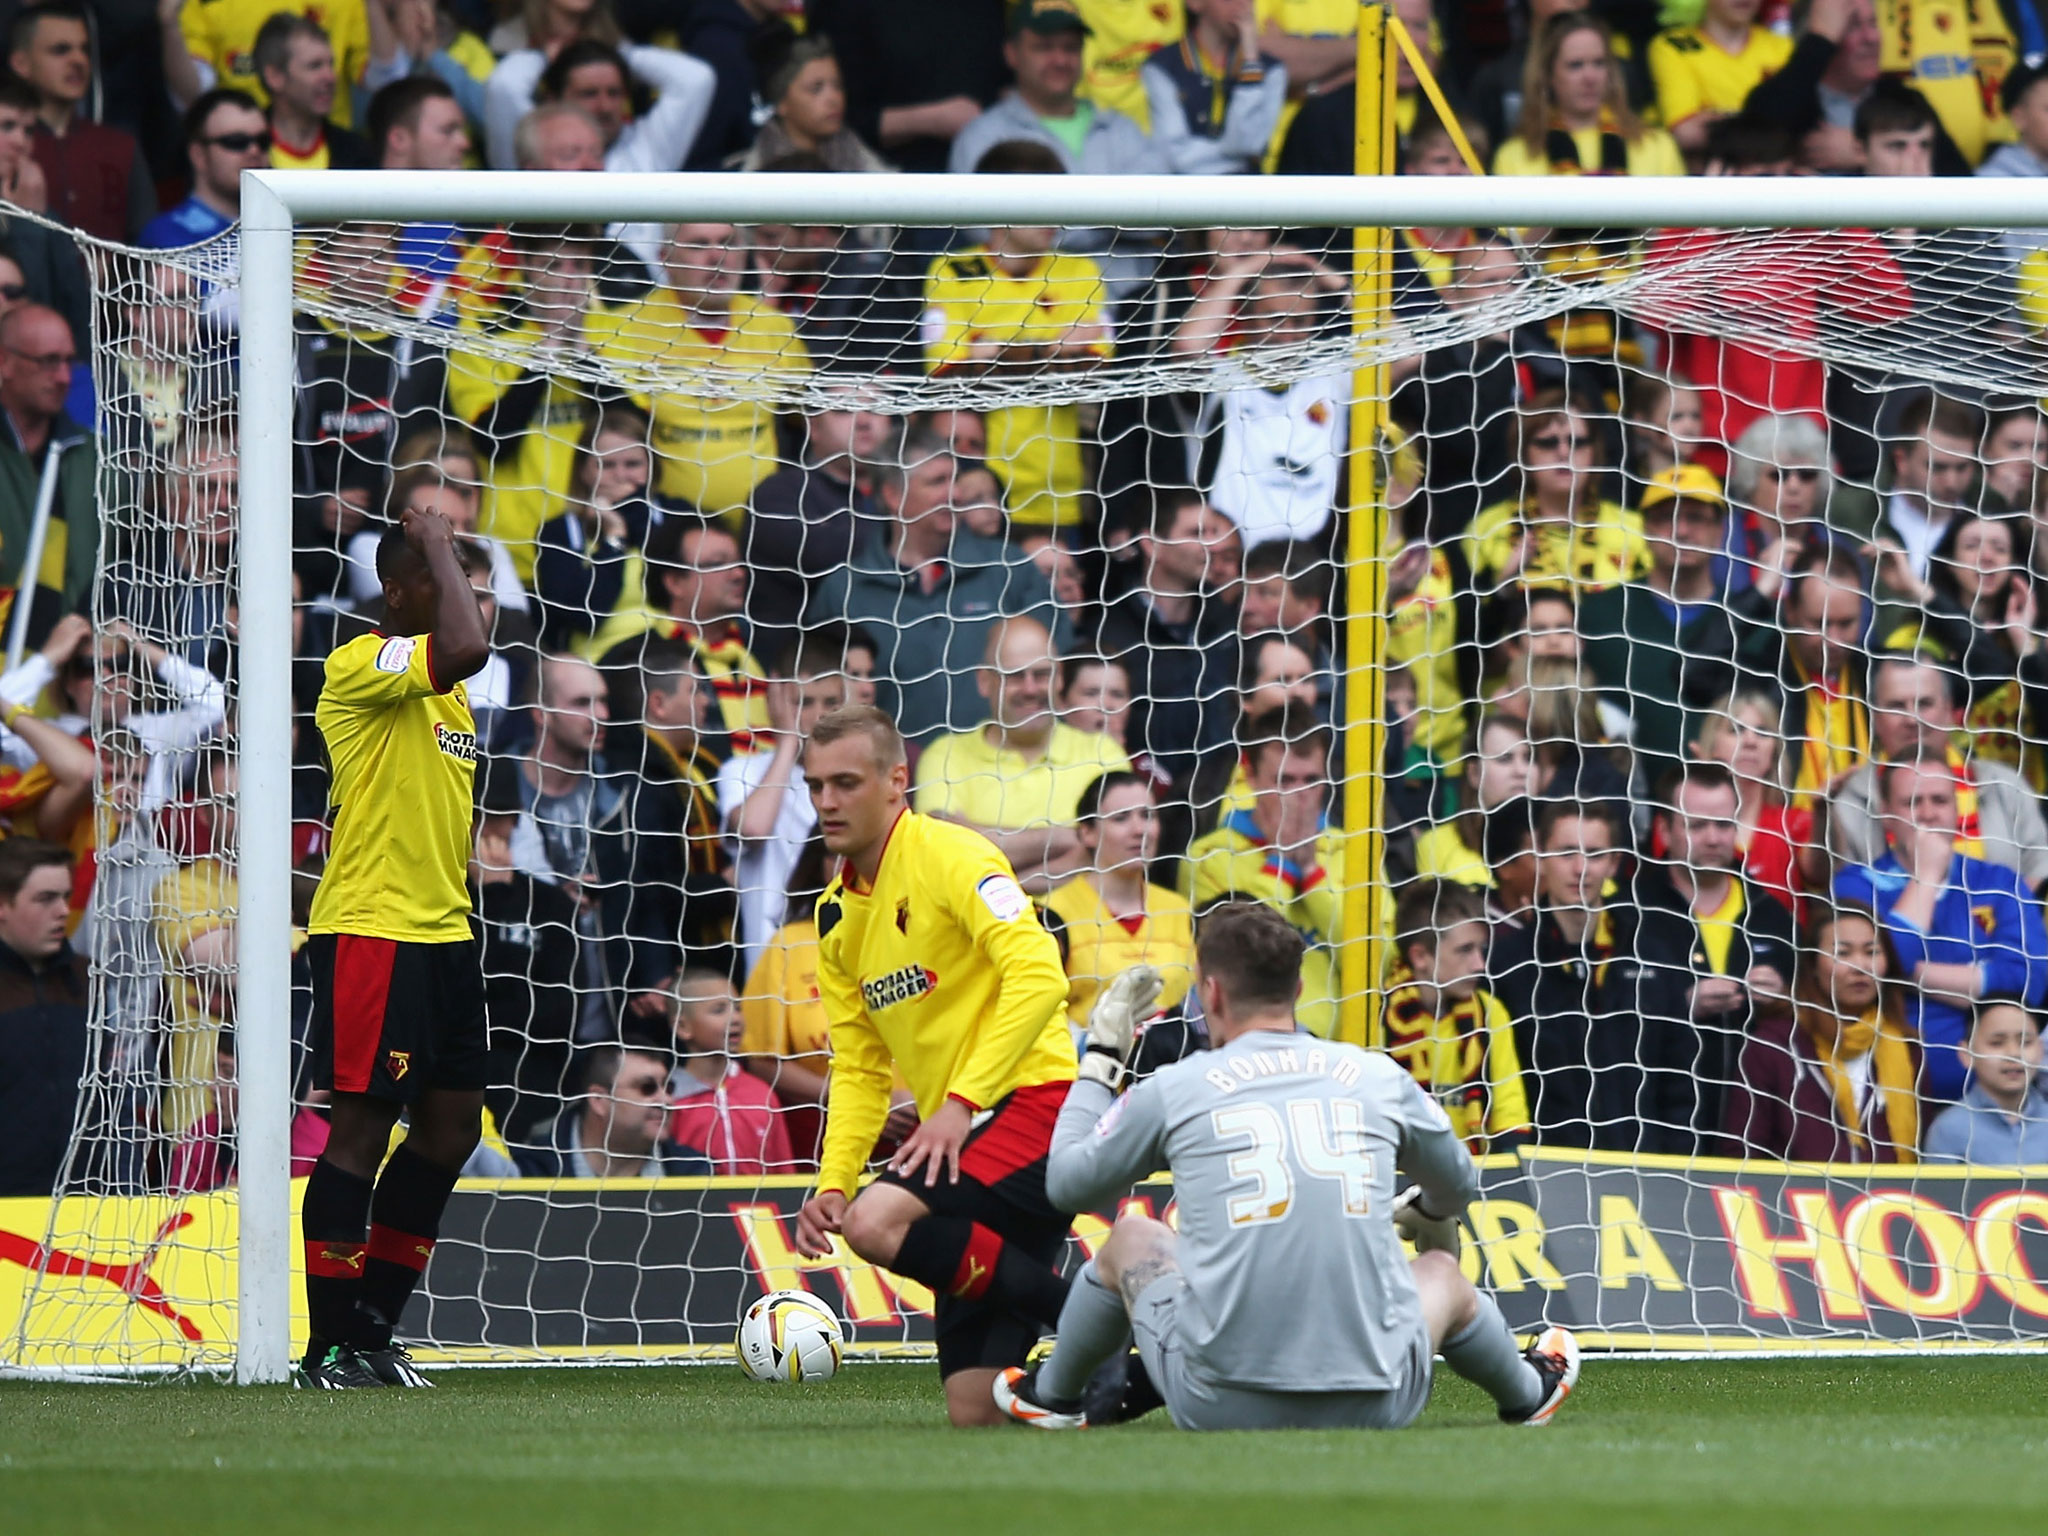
{"x": 733, "y": 1115}
{"x": 1453, "y": 1036}
{"x": 2003, "y": 1118}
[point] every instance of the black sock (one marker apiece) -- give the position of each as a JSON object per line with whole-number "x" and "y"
{"x": 957, "y": 1257}
{"x": 332, "y": 1218}
{"x": 405, "y": 1219}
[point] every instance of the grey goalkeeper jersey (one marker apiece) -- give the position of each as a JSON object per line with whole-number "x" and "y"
{"x": 1283, "y": 1150}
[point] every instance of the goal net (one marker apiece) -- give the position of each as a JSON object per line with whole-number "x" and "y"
{"x": 1525, "y": 611}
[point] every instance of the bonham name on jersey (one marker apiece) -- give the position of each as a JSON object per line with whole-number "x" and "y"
{"x": 1315, "y": 1061}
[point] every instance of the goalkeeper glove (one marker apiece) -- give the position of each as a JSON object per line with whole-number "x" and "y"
{"x": 1113, "y": 1025}
{"x": 1429, "y": 1234}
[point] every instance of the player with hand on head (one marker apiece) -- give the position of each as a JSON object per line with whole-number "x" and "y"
{"x": 932, "y": 960}
{"x": 398, "y": 988}
{"x": 1284, "y": 1300}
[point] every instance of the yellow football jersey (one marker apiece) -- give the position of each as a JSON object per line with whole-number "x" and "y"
{"x": 1036, "y": 449}
{"x": 966, "y": 776}
{"x": 709, "y": 453}
{"x": 191, "y": 902}
{"x": 1693, "y": 73}
{"x": 1235, "y": 861}
{"x": 402, "y": 747}
{"x": 782, "y": 1006}
{"x": 1125, "y": 33}
{"x": 1099, "y": 946}
{"x": 1465, "y": 1059}
{"x": 941, "y": 969}
{"x": 527, "y": 466}
{"x": 1604, "y": 552}
{"x": 222, "y": 33}
{"x": 1653, "y": 153}
{"x": 1957, "y": 54}
{"x": 1422, "y": 635}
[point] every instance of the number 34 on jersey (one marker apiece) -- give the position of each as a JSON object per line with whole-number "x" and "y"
{"x": 1304, "y": 1138}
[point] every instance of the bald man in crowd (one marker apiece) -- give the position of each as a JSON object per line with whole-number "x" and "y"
{"x": 1017, "y": 777}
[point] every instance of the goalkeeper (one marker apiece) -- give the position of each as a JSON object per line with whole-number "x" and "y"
{"x": 1284, "y": 1301}
{"x": 931, "y": 960}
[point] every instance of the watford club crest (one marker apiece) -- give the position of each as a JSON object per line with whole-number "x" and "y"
{"x": 398, "y": 1063}
{"x": 903, "y": 915}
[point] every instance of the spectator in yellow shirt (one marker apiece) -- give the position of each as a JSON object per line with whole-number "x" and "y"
{"x": 1499, "y": 768}
{"x": 708, "y": 451}
{"x": 1576, "y": 119}
{"x": 530, "y": 416}
{"x": 1561, "y": 531}
{"x": 1121, "y": 36}
{"x": 1704, "y": 73}
{"x": 1956, "y": 54}
{"x": 220, "y": 37}
{"x": 1454, "y": 1037}
{"x": 1017, "y": 779}
{"x": 1109, "y": 916}
{"x": 1015, "y": 308}
{"x": 1280, "y": 849}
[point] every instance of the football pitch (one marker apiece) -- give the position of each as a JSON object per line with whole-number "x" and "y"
{"x": 1738, "y": 1448}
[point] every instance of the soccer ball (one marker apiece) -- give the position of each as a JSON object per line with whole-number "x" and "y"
{"x": 790, "y": 1336}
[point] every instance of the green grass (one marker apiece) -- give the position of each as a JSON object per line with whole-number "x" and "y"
{"x": 1738, "y": 1448}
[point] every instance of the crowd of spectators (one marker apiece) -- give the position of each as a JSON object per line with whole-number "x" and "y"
{"x": 1716, "y": 697}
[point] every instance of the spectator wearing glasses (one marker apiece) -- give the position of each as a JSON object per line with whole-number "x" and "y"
{"x": 93, "y": 175}
{"x": 1561, "y": 531}
{"x": 226, "y": 134}
{"x": 619, "y": 1129}
{"x": 37, "y": 354}
{"x": 1782, "y": 496}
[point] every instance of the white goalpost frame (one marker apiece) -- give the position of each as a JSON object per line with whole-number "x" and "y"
{"x": 274, "y": 203}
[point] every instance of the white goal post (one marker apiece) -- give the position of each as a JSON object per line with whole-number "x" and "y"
{"x": 275, "y": 204}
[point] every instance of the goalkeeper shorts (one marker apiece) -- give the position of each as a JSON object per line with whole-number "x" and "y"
{"x": 1197, "y": 1402}
{"x": 393, "y": 1018}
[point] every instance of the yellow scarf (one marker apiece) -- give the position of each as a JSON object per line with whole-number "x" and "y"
{"x": 1891, "y": 1070}
{"x": 1837, "y": 738}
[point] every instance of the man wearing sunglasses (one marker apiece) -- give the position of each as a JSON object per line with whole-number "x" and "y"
{"x": 226, "y": 134}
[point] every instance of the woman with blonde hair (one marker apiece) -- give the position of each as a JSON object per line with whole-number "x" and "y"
{"x": 1576, "y": 119}
{"x": 1575, "y": 760}
{"x": 1838, "y": 1081}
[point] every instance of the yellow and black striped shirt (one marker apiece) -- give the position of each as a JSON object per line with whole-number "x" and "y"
{"x": 1465, "y": 1058}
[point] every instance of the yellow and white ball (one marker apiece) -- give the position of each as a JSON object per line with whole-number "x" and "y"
{"x": 790, "y": 1336}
